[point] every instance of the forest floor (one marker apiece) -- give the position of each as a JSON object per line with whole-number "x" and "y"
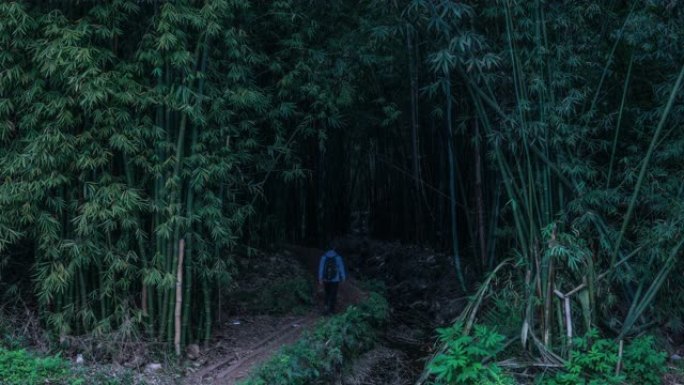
{"x": 248, "y": 334}
{"x": 270, "y": 303}
{"x": 244, "y": 343}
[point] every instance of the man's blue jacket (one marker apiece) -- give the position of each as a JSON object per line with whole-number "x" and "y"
{"x": 341, "y": 272}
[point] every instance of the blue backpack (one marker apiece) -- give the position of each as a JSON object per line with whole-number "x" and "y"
{"x": 330, "y": 268}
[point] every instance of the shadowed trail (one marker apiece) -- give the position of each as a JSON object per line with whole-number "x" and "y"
{"x": 229, "y": 370}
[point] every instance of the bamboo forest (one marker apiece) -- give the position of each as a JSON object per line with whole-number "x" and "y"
{"x": 368, "y": 192}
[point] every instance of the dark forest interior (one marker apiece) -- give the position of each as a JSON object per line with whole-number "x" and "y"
{"x": 503, "y": 179}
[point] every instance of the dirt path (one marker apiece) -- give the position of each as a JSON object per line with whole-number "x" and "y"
{"x": 244, "y": 344}
{"x": 245, "y": 349}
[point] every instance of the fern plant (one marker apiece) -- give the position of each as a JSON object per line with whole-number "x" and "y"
{"x": 462, "y": 360}
{"x": 596, "y": 361}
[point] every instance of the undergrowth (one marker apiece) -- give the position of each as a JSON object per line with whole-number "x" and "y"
{"x": 461, "y": 362}
{"x": 467, "y": 359}
{"x": 320, "y": 355}
{"x": 594, "y": 361}
{"x": 20, "y": 367}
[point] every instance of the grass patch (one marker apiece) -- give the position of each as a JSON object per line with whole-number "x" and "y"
{"x": 20, "y": 367}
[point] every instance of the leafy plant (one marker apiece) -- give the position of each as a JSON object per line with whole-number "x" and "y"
{"x": 21, "y": 367}
{"x": 643, "y": 362}
{"x": 462, "y": 361}
{"x": 18, "y": 367}
{"x": 594, "y": 361}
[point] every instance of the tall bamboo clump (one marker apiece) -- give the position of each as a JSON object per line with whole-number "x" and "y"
{"x": 570, "y": 225}
{"x": 133, "y": 133}
{"x": 555, "y": 130}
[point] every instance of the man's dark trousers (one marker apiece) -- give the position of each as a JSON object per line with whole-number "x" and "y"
{"x": 330, "y": 296}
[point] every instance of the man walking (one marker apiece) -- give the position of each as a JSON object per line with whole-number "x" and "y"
{"x": 331, "y": 272}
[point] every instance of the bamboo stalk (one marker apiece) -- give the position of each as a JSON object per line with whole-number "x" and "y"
{"x": 493, "y": 223}
{"x": 548, "y": 303}
{"x": 179, "y": 298}
{"x": 639, "y": 304}
{"x": 619, "y": 122}
{"x": 568, "y": 320}
{"x": 84, "y": 300}
{"x": 415, "y": 147}
{"x": 186, "y": 318}
{"x": 479, "y": 198}
{"x": 480, "y": 97}
{"x": 207, "y": 312}
{"x": 610, "y": 57}
{"x": 644, "y": 166}
{"x": 568, "y": 317}
{"x": 618, "y": 366}
{"x": 452, "y": 183}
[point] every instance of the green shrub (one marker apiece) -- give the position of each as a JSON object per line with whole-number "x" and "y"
{"x": 319, "y": 355}
{"x": 462, "y": 360}
{"x": 643, "y": 364}
{"x": 594, "y": 362}
{"x": 18, "y": 367}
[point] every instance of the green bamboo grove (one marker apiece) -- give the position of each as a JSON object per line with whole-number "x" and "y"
{"x": 135, "y": 133}
{"x": 555, "y": 126}
{"x": 145, "y": 145}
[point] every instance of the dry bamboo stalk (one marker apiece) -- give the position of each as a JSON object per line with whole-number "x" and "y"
{"x": 618, "y": 367}
{"x": 568, "y": 321}
{"x": 548, "y": 302}
{"x": 179, "y": 297}
{"x": 568, "y": 315}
